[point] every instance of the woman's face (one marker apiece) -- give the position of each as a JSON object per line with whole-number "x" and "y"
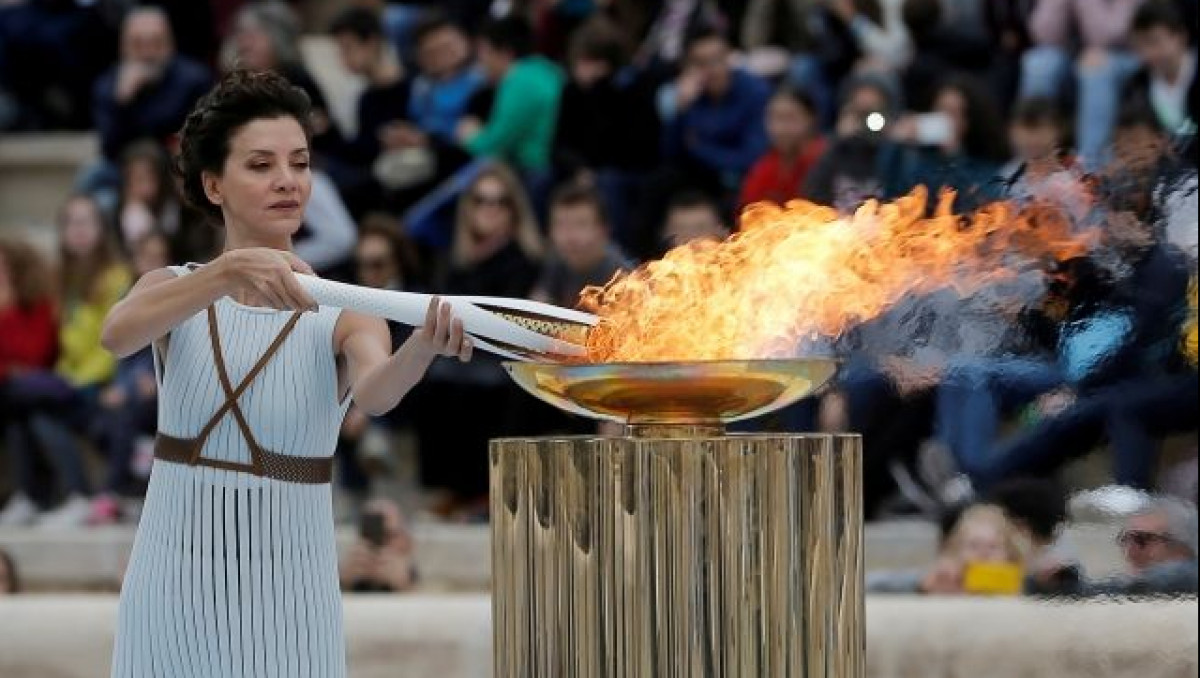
{"x": 151, "y": 254}
{"x": 141, "y": 181}
{"x": 266, "y": 181}
{"x": 951, "y": 103}
{"x": 81, "y": 229}
{"x": 375, "y": 261}
{"x": 788, "y": 123}
{"x": 491, "y": 209}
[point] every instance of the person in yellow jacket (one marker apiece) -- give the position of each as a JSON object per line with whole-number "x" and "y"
{"x": 59, "y": 404}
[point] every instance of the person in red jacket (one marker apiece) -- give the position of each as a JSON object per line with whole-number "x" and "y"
{"x": 28, "y": 333}
{"x": 796, "y": 145}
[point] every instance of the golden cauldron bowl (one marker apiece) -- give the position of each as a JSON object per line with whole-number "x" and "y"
{"x": 700, "y": 392}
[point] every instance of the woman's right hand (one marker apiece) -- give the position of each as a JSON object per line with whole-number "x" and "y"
{"x": 266, "y": 277}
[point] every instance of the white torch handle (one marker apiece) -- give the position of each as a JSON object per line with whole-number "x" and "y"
{"x": 410, "y": 308}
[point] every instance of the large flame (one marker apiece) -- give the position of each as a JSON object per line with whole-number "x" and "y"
{"x": 804, "y": 272}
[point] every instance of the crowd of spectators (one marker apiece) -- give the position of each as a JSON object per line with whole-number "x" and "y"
{"x": 530, "y": 148}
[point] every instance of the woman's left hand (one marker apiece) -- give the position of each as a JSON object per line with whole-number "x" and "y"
{"x": 442, "y": 334}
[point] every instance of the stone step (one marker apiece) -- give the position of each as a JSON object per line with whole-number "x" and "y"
{"x": 37, "y": 173}
{"x": 451, "y": 557}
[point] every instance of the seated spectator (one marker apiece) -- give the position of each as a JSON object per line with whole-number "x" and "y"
{"x": 608, "y": 129}
{"x": 148, "y": 201}
{"x": 1102, "y": 68}
{"x": 847, "y": 174}
{"x": 1167, "y": 81}
{"x": 28, "y": 345}
{"x": 150, "y": 90}
{"x": 266, "y": 37}
{"x": 381, "y": 559}
{"x": 714, "y": 113}
{"x": 129, "y": 405}
{"x": 497, "y": 251}
{"x": 1042, "y": 169}
{"x": 520, "y": 127}
{"x": 10, "y": 578}
{"x": 446, "y": 79}
{"x": 692, "y": 216}
{"x": 959, "y": 145}
{"x": 1159, "y": 543}
{"x": 796, "y": 146}
{"x": 583, "y": 253}
{"x": 382, "y": 260}
{"x": 664, "y": 44}
{"x": 54, "y": 404}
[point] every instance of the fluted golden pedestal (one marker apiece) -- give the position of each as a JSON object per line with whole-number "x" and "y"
{"x": 678, "y": 551}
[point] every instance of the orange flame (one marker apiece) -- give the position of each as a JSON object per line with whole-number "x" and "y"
{"x": 804, "y": 272}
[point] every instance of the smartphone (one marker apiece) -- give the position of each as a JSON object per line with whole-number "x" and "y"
{"x": 993, "y": 579}
{"x": 371, "y": 529}
{"x": 933, "y": 129}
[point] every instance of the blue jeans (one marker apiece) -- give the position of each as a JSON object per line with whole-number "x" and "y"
{"x": 974, "y": 395}
{"x": 42, "y": 410}
{"x": 1044, "y": 73}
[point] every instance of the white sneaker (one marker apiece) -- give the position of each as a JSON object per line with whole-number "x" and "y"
{"x": 19, "y": 511}
{"x": 73, "y": 512}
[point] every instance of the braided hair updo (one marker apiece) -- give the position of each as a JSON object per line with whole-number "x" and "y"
{"x": 241, "y": 97}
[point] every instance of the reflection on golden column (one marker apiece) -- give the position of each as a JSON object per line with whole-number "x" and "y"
{"x": 676, "y": 550}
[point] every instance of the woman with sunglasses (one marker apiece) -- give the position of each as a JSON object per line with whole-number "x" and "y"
{"x": 496, "y": 251}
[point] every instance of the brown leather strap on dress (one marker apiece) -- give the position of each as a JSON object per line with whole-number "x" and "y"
{"x": 263, "y": 462}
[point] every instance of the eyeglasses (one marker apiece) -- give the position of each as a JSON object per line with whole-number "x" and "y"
{"x": 1142, "y": 539}
{"x": 484, "y": 200}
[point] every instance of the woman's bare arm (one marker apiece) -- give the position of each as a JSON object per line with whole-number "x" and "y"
{"x": 160, "y": 300}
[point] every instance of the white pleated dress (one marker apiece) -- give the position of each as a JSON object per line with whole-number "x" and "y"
{"x": 234, "y": 574}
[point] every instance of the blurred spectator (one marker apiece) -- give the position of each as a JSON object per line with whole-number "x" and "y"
{"x": 150, "y": 90}
{"x": 128, "y": 405}
{"x": 92, "y": 280}
{"x": 583, "y": 253}
{"x": 326, "y": 239}
{"x": 497, "y": 250}
{"x": 1043, "y": 169}
{"x": 51, "y": 52}
{"x": 1159, "y": 542}
{"x": 266, "y": 37}
{"x": 777, "y": 38}
{"x": 664, "y": 45}
{"x": 1167, "y": 81}
{"x": 10, "y": 578}
{"x": 446, "y": 79}
{"x": 691, "y": 216}
{"x": 959, "y": 145}
{"x": 1037, "y": 507}
{"x": 1103, "y": 65}
{"x": 28, "y": 345}
{"x": 878, "y": 31}
{"x": 796, "y": 146}
{"x": 608, "y": 129}
{"x": 381, "y": 558}
{"x": 943, "y": 47}
{"x": 1008, "y": 26}
{"x": 520, "y": 127}
{"x": 148, "y": 201}
{"x": 382, "y": 260}
{"x": 847, "y": 174}
{"x": 714, "y": 112}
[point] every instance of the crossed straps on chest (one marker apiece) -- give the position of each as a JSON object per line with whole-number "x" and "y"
{"x": 263, "y": 462}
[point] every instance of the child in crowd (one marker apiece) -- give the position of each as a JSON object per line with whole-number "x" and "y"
{"x": 796, "y": 146}
{"x": 691, "y": 216}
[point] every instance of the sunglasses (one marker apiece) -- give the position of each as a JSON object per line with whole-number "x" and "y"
{"x": 1141, "y": 539}
{"x": 485, "y": 200}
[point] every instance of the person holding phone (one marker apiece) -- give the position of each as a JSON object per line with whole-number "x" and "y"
{"x": 381, "y": 558}
{"x": 959, "y": 144}
{"x": 234, "y": 567}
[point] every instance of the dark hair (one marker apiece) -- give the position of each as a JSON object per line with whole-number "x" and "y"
{"x": 431, "y": 23}
{"x": 239, "y": 98}
{"x": 511, "y": 34}
{"x": 798, "y": 95}
{"x": 1038, "y": 503}
{"x": 1036, "y": 112}
{"x": 691, "y": 198}
{"x": 984, "y": 137}
{"x": 404, "y": 252}
{"x": 79, "y": 278}
{"x": 1137, "y": 114}
{"x": 922, "y": 17}
{"x": 14, "y": 577}
{"x": 576, "y": 195}
{"x": 600, "y": 39}
{"x": 705, "y": 30}
{"x": 149, "y": 151}
{"x": 1158, "y": 14}
{"x": 360, "y": 22}
{"x": 27, "y": 270}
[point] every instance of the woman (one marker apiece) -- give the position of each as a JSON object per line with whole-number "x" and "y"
{"x": 496, "y": 252}
{"x": 56, "y": 404}
{"x": 148, "y": 203}
{"x": 796, "y": 146}
{"x": 234, "y": 565}
{"x": 28, "y": 345}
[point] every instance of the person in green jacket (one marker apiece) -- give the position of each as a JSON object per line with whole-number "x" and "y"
{"x": 520, "y": 127}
